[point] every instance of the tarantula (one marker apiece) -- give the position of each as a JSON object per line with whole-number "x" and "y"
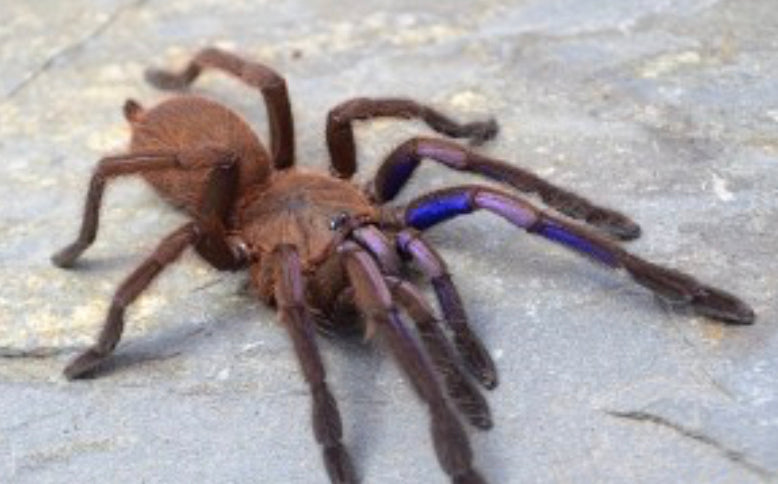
{"x": 319, "y": 248}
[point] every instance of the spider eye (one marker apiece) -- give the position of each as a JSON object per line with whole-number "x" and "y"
{"x": 339, "y": 220}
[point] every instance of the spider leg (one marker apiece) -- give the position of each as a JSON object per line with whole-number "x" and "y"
{"x": 340, "y": 134}
{"x": 168, "y": 251}
{"x": 214, "y": 246}
{"x": 270, "y": 83}
{"x": 206, "y": 235}
{"x": 398, "y": 167}
{"x": 478, "y": 361}
{"x": 467, "y": 397}
{"x": 216, "y": 202}
{"x": 108, "y": 167}
{"x": 675, "y": 286}
{"x": 374, "y": 299}
{"x": 290, "y": 300}
{"x": 470, "y": 347}
{"x": 379, "y": 245}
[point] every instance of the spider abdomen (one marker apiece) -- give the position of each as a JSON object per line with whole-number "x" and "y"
{"x": 184, "y": 124}
{"x": 297, "y": 208}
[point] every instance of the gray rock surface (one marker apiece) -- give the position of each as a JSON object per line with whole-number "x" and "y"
{"x": 667, "y": 110}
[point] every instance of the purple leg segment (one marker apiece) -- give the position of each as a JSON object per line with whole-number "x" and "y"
{"x": 466, "y": 397}
{"x": 431, "y": 211}
{"x": 399, "y": 166}
{"x": 468, "y": 344}
{"x": 442, "y": 205}
{"x": 565, "y": 237}
{"x": 675, "y": 286}
{"x": 380, "y": 246}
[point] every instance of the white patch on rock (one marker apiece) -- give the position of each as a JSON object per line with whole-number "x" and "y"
{"x": 721, "y": 190}
{"x": 668, "y": 63}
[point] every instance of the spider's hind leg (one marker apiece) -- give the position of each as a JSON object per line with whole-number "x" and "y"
{"x": 167, "y": 252}
{"x": 205, "y": 234}
{"x": 109, "y": 167}
{"x": 217, "y": 199}
{"x": 269, "y": 82}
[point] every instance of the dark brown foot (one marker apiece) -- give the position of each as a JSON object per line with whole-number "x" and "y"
{"x": 471, "y": 403}
{"x": 452, "y": 447}
{"x": 338, "y": 464}
{"x": 683, "y": 290}
{"x": 477, "y": 359}
{"x": 66, "y": 257}
{"x": 611, "y": 222}
{"x": 166, "y": 80}
{"x": 480, "y": 132}
{"x": 723, "y": 306}
{"x": 471, "y": 477}
{"x": 83, "y": 364}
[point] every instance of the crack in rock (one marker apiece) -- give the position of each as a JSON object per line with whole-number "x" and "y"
{"x": 40, "y": 352}
{"x": 71, "y": 48}
{"x": 734, "y": 456}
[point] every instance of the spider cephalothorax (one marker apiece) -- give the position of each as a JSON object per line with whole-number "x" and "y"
{"x": 318, "y": 248}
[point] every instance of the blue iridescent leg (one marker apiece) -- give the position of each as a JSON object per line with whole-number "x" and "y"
{"x": 398, "y": 167}
{"x": 477, "y": 359}
{"x": 677, "y": 287}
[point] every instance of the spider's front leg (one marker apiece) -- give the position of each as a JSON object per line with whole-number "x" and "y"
{"x": 290, "y": 300}
{"x": 469, "y": 345}
{"x": 374, "y": 300}
{"x": 466, "y": 396}
{"x": 675, "y": 286}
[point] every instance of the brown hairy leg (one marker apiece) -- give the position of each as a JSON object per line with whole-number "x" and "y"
{"x": 107, "y": 168}
{"x": 269, "y": 82}
{"x": 296, "y": 318}
{"x": 340, "y": 132}
{"x": 168, "y": 251}
{"x": 214, "y": 246}
{"x": 374, "y": 300}
{"x": 398, "y": 167}
{"x": 206, "y": 235}
{"x": 222, "y": 177}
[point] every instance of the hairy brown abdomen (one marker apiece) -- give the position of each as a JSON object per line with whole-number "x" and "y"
{"x": 186, "y": 123}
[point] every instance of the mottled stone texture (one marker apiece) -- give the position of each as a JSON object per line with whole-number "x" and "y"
{"x": 668, "y": 110}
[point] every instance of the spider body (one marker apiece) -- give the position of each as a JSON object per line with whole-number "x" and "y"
{"x": 180, "y": 123}
{"x": 298, "y": 208}
{"x": 319, "y": 249}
